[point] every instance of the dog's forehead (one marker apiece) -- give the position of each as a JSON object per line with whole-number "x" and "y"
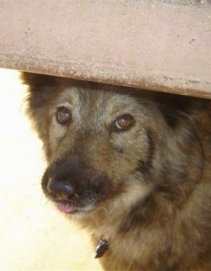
{"x": 99, "y": 98}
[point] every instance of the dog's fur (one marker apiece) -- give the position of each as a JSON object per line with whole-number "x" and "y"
{"x": 146, "y": 188}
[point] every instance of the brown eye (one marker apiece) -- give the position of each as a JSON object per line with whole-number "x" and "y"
{"x": 123, "y": 123}
{"x": 63, "y": 115}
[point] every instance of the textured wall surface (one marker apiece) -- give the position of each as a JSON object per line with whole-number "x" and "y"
{"x": 152, "y": 44}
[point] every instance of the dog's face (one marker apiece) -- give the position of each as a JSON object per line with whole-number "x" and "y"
{"x": 103, "y": 145}
{"x": 98, "y": 143}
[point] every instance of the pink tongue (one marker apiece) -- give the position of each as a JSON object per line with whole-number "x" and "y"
{"x": 65, "y": 208}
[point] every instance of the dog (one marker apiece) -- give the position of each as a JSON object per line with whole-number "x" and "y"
{"x": 132, "y": 166}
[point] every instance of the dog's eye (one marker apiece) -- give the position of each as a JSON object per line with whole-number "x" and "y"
{"x": 123, "y": 123}
{"x": 63, "y": 115}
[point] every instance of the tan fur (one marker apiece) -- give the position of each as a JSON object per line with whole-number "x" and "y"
{"x": 153, "y": 181}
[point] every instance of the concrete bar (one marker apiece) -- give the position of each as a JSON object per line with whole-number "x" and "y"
{"x": 151, "y": 44}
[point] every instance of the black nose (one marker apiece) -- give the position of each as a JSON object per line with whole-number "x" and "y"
{"x": 63, "y": 180}
{"x": 62, "y": 190}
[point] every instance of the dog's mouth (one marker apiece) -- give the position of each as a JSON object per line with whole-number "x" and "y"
{"x": 66, "y": 208}
{"x": 71, "y": 208}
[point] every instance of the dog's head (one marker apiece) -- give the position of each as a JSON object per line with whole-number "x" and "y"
{"x": 107, "y": 144}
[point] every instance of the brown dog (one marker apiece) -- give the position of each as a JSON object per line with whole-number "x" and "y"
{"x": 134, "y": 167}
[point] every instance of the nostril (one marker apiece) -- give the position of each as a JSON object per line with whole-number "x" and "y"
{"x": 63, "y": 190}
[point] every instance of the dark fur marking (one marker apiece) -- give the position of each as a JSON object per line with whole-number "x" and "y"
{"x": 140, "y": 216}
{"x": 145, "y": 165}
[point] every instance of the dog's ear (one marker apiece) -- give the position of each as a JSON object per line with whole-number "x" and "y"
{"x": 41, "y": 91}
{"x": 38, "y": 81}
{"x": 180, "y": 153}
{"x": 41, "y": 88}
{"x": 173, "y": 107}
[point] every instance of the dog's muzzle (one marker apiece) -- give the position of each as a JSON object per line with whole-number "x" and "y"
{"x": 74, "y": 186}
